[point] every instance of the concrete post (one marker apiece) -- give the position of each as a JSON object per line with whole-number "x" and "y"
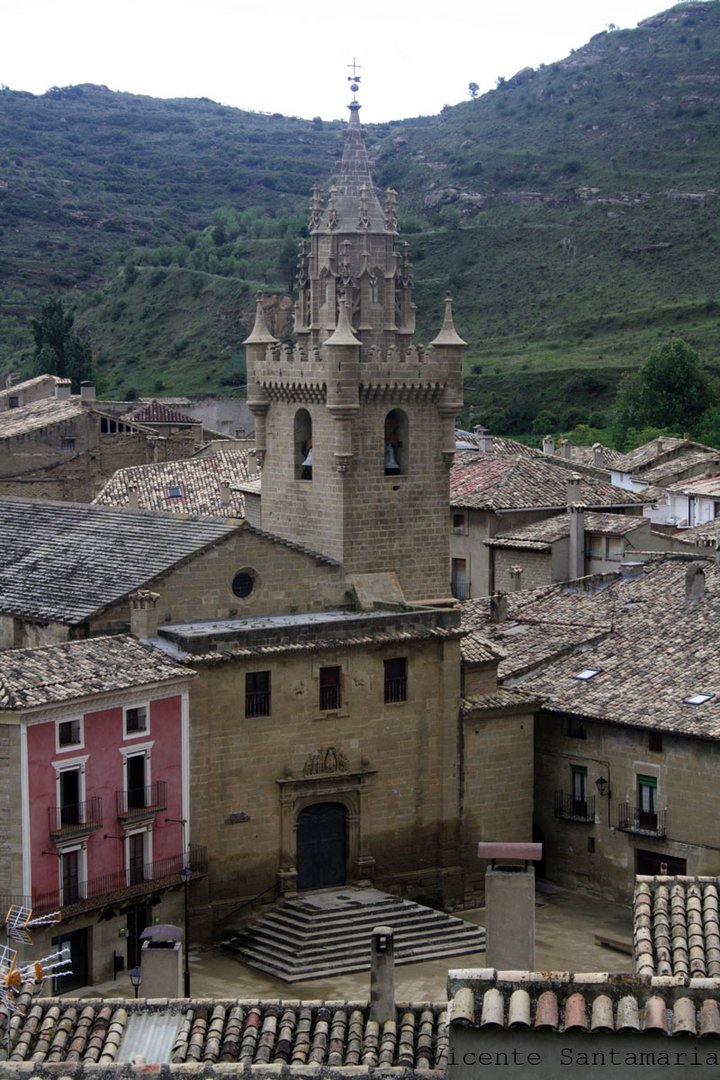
{"x": 382, "y": 974}
{"x": 510, "y": 918}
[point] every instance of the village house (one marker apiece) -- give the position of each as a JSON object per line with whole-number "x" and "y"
{"x": 494, "y": 494}
{"x": 205, "y": 485}
{"x": 336, "y": 738}
{"x": 94, "y": 775}
{"x": 627, "y": 737}
{"x": 67, "y": 446}
{"x": 570, "y": 545}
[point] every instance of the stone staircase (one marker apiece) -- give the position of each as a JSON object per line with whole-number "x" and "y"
{"x": 327, "y": 933}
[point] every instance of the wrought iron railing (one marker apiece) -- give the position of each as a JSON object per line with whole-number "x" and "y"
{"x": 75, "y": 818}
{"x": 329, "y": 697}
{"x": 635, "y": 819}
{"x": 142, "y": 800}
{"x": 460, "y": 590}
{"x": 570, "y": 808}
{"x": 96, "y": 892}
{"x": 396, "y": 689}
{"x": 257, "y": 703}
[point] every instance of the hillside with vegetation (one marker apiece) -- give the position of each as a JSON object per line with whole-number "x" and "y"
{"x": 572, "y": 212}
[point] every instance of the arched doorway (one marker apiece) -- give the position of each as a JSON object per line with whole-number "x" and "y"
{"x": 321, "y": 846}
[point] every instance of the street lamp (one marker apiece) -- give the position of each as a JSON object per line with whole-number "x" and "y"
{"x": 136, "y": 979}
{"x": 186, "y": 875}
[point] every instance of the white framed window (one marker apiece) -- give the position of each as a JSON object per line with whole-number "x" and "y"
{"x": 72, "y": 874}
{"x": 138, "y": 856}
{"x": 69, "y": 734}
{"x": 136, "y": 720}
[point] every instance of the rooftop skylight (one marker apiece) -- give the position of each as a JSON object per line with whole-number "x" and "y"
{"x": 174, "y": 491}
{"x": 697, "y": 699}
{"x": 586, "y": 674}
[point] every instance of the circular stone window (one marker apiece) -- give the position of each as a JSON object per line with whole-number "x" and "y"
{"x": 243, "y": 583}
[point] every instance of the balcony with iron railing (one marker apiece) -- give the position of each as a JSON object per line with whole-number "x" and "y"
{"x": 125, "y": 884}
{"x": 634, "y": 819}
{"x": 137, "y": 802}
{"x": 75, "y": 819}
{"x": 570, "y": 808}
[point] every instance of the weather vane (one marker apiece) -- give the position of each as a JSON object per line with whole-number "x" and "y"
{"x": 354, "y": 79}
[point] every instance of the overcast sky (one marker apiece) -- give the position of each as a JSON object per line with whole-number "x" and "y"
{"x": 292, "y": 57}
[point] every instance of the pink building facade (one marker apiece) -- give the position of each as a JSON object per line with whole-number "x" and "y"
{"x": 101, "y": 794}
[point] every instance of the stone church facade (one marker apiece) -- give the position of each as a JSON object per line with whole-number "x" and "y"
{"x": 335, "y": 747}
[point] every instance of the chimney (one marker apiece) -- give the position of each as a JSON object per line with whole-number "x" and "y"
{"x": 224, "y": 494}
{"x": 598, "y": 454}
{"x": 143, "y": 614}
{"x": 549, "y": 445}
{"x": 572, "y": 490}
{"x": 485, "y": 441}
{"x": 694, "y": 583}
{"x": 87, "y": 390}
{"x": 516, "y": 578}
{"x": 133, "y": 502}
{"x": 382, "y": 974}
{"x": 576, "y": 554}
{"x": 62, "y": 390}
{"x": 498, "y": 607}
{"x": 567, "y": 450}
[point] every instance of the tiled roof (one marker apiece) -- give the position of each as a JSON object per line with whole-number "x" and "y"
{"x": 184, "y": 487}
{"x": 677, "y": 926}
{"x": 75, "y": 669}
{"x": 593, "y": 1002}
{"x": 29, "y": 384}
{"x": 546, "y": 532}
{"x": 489, "y": 481}
{"x": 337, "y": 1034}
{"x": 37, "y": 415}
{"x": 471, "y": 439}
{"x": 502, "y": 698}
{"x": 696, "y": 535}
{"x": 585, "y": 455}
{"x": 540, "y": 626}
{"x": 698, "y": 485}
{"x": 652, "y": 647}
{"x": 62, "y": 562}
{"x": 476, "y": 649}
{"x": 665, "y": 447}
{"x": 667, "y": 471}
{"x": 158, "y": 412}
{"x": 233, "y": 650}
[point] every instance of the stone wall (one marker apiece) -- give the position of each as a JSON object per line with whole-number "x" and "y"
{"x": 285, "y": 580}
{"x": 686, "y": 771}
{"x": 497, "y": 785}
{"x": 393, "y": 767}
{"x": 536, "y": 568}
{"x": 369, "y": 521}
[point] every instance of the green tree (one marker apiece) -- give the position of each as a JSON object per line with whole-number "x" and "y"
{"x": 473, "y": 89}
{"x": 58, "y": 349}
{"x": 671, "y": 390}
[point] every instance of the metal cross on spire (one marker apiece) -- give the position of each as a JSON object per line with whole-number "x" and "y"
{"x": 354, "y": 79}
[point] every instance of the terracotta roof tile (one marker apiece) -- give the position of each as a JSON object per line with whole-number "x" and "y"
{"x": 184, "y": 487}
{"x": 337, "y": 1034}
{"x": 159, "y": 413}
{"x": 591, "y": 1002}
{"x": 541, "y": 534}
{"x": 677, "y": 927}
{"x": 37, "y": 415}
{"x": 493, "y": 482}
{"x": 76, "y": 669}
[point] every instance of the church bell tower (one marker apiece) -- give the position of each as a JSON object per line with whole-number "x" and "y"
{"x": 355, "y": 424}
